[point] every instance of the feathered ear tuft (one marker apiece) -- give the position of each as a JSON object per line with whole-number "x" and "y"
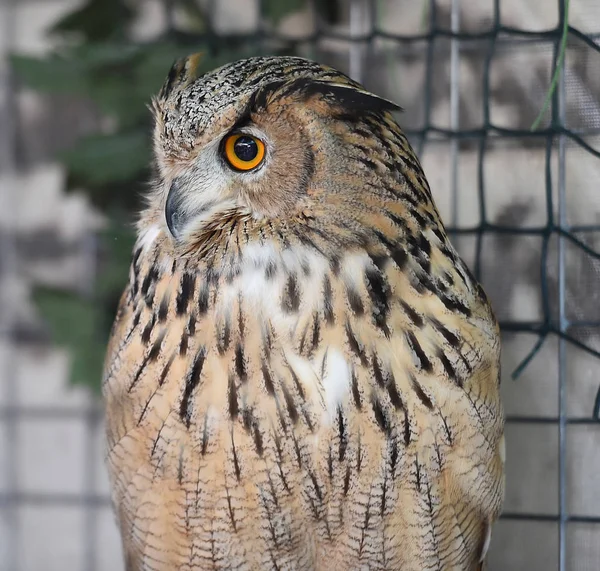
{"x": 349, "y": 96}
{"x": 184, "y": 71}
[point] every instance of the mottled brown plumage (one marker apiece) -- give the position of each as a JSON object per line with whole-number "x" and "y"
{"x": 302, "y": 374}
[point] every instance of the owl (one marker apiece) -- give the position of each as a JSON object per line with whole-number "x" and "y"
{"x": 302, "y": 373}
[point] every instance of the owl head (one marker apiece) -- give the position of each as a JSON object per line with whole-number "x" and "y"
{"x": 270, "y": 140}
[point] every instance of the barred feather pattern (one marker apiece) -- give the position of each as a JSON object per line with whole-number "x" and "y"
{"x": 312, "y": 391}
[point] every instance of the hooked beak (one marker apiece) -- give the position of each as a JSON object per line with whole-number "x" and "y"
{"x": 188, "y": 207}
{"x": 174, "y": 210}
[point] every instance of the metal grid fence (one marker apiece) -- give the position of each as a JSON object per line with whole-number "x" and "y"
{"x": 564, "y": 320}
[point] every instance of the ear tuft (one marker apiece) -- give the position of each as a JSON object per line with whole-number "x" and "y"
{"x": 350, "y": 97}
{"x": 182, "y": 73}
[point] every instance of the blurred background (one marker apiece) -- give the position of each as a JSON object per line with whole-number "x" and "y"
{"x": 523, "y": 205}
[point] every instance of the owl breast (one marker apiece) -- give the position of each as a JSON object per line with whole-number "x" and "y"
{"x": 284, "y": 412}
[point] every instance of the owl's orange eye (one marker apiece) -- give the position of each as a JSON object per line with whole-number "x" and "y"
{"x": 243, "y": 152}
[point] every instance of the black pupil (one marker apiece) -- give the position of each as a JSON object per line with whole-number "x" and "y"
{"x": 245, "y": 148}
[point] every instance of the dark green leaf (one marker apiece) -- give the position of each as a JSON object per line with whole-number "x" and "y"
{"x": 73, "y": 323}
{"x": 100, "y": 159}
{"x": 127, "y": 106}
{"x": 97, "y": 20}
{"x": 83, "y": 325}
{"x": 117, "y": 243}
{"x": 122, "y": 195}
{"x": 52, "y": 75}
{"x": 276, "y": 10}
{"x": 103, "y": 55}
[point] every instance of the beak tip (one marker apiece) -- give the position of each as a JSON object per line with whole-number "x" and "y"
{"x": 173, "y": 211}
{"x": 172, "y": 225}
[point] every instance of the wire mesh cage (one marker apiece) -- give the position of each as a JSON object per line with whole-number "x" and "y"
{"x": 521, "y": 204}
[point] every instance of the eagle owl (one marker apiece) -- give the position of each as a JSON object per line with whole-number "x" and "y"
{"x": 302, "y": 372}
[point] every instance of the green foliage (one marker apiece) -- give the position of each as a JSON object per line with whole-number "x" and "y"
{"x": 98, "y": 20}
{"x": 116, "y": 247}
{"x": 83, "y": 324}
{"x": 96, "y": 62}
{"x": 276, "y": 10}
{"x": 56, "y": 74}
{"x": 102, "y": 159}
{"x": 73, "y": 323}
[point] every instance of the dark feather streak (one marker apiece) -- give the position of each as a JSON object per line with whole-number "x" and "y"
{"x": 203, "y": 296}
{"x": 232, "y": 398}
{"x": 183, "y": 345}
{"x": 316, "y": 486}
{"x": 191, "y": 326}
{"x": 223, "y": 335}
{"x": 447, "y": 429}
{"x": 411, "y": 313}
{"x": 316, "y": 333}
{"x": 268, "y": 380}
{"x": 328, "y": 301}
{"x": 236, "y": 462}
{"x": 393, "y": 451}
{"x": 191, "y": 382}
{"x": 148, "y": 330}
{"x": 379, "y": 379}
{"x": 421, "y": 393}
{"x": 355, "y": 345}
{"x": 156, "y": 346}
{"x": 291, "y": 295}
{"x": 355, "y": 390}
{"x": 406, "y": 429}
{"x": 448, "y": 367}
{"x": 381, "y": 416}
{"x": 343, "y": 435}
{"x": 149, "y": 279}
{"x": 346, "y": 481}
{"x": 163, "y": 309}
{"x": 289, "y": 403}
{"x": 454, "y": 304}
{"x": 393, "y": 393}
{"x": 185, "y": 292}
{"x": 396, "y": 252}
{"x": 355, "y": 302}
{"x": 379, "y": 292}
{"x": 165, "y": 370}
{"x": 240, "y": 363}
{"x": 414, "y": 344}
{"x": 138, "y": 373}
